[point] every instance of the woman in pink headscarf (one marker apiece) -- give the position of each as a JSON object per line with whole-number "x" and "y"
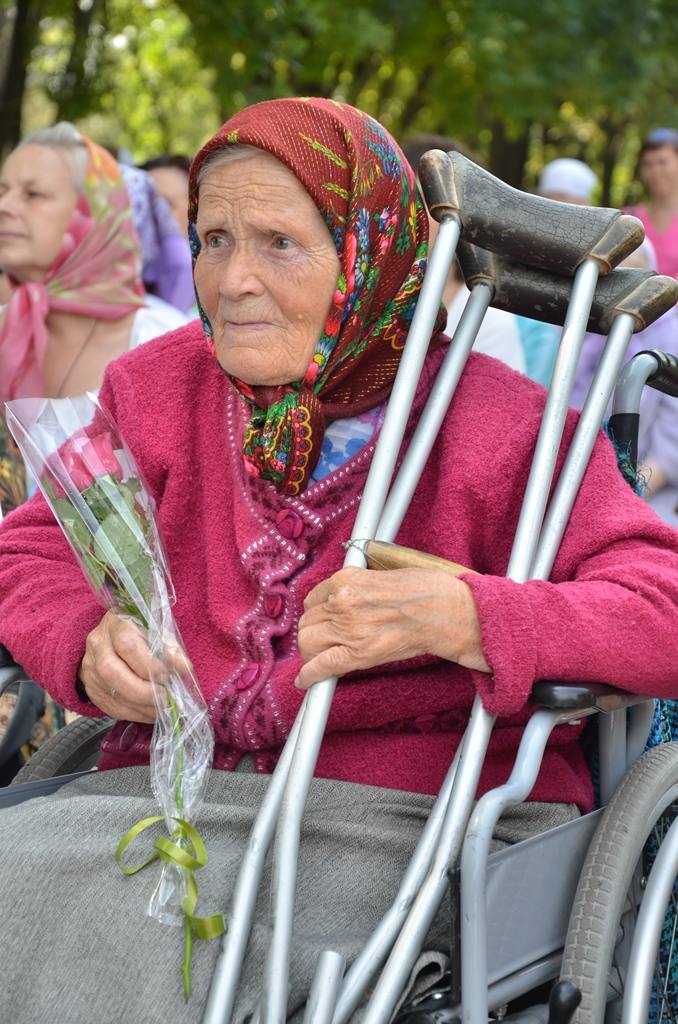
{"x": 72, "y": 259}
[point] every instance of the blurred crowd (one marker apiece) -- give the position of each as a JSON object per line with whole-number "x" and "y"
{"x": 95, "y": 259}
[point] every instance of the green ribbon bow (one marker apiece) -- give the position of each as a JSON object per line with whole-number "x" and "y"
{"x": 187, "y": 851}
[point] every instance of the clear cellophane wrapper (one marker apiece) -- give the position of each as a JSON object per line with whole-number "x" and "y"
{"x": 93, "y": 486}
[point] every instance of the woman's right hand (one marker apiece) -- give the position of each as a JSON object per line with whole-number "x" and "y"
{"x": 115, "y": 672}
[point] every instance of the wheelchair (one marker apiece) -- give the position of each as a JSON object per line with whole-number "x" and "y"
{"x": 582, "y": 905}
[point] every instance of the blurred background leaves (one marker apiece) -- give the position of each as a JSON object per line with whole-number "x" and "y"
{"x": 517, "y": 82}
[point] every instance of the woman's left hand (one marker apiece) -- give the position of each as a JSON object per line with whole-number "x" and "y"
{"x": 359, "y": 618}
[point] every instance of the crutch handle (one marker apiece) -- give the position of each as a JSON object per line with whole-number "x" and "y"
{"x": 380, "y": 555}
{"x": 540, "y": 295}
{"x": 527, "y": 228}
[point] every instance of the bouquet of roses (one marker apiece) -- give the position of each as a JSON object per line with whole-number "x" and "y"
{"x": 93, "y": 486}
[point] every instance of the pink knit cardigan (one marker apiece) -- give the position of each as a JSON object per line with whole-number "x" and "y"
{"x": 243, "y": 557}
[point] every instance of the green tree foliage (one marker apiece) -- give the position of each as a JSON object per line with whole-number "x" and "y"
{"x": 517, "y": 81}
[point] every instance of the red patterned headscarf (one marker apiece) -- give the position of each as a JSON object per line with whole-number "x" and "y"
{"x": 360, "y": 181}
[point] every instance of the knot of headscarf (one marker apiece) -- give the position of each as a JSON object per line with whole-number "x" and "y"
{"x": 97, "y": 273}
{"x": 360, "y": 181}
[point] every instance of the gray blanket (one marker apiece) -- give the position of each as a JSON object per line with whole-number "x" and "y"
{"x": 76, "y": 946}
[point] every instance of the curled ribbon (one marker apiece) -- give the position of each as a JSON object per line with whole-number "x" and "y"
{"x": 189, "y": 858}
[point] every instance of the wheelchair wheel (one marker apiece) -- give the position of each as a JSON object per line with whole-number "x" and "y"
{"x": 74, "y": 748}
{"x": 610, "y": 891}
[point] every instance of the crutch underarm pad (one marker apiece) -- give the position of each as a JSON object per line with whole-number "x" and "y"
{"x": 540, "y": 295}
{"x": 527, "y": 228}
{"x": 666, "y": 376}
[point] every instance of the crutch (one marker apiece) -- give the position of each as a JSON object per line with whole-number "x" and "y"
{"x": 317, "y": 702}
{"x": 520, "y": 289}
{"x": 621, "y": 237}
{"x": 638, "y": 298}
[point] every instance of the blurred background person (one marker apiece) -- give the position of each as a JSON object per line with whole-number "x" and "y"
{"x": 167, "y": 270}
{"x": 170, "y": 174}
{"x": 499, "y": 334}
{"x": 658, "y": 435}
{"x": 658, "y": 170}
{"x": 71, "y": 258}
{"x": 568, "y": 181}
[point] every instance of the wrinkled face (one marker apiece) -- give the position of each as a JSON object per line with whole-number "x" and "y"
{"x": 267, "y": 269}
{"x": 659, "y": 171}
{"x": 37, "y": 199}
{"x": 172, "y": 184}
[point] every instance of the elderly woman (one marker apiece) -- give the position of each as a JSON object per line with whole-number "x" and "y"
{"x": 254, "y": 432}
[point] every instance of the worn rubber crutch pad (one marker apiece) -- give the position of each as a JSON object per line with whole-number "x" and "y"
{"x": 529, "y": 229}
{"x": 540, "y": 295}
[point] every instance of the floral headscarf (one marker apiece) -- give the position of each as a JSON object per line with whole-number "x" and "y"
{"x": 360, "y": 181}
{"x": 97, "y": 273}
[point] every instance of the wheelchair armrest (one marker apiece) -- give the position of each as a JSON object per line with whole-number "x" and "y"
{"x": 527, "y": 228}
{"x": 528, "y": 291}
{"x": 583, "y": 697}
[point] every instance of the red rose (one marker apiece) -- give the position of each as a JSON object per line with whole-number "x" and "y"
{"x": 84, "y": 459}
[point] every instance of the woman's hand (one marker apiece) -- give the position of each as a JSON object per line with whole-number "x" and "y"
{"x": 115, "y": 672}
{"x": 359, "y": 618}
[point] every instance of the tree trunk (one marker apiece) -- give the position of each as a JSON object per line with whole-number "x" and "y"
{"x": 508, "y": 155}
{"x": 615, "y": 136}
{"x": 14, "y": 85}
{"x": 72, "y": 95}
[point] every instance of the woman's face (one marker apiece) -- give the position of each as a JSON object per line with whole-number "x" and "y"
{"x": 659, "y": 171}
{"x": 37, "y": 199}
{"x": 267, "y": 269}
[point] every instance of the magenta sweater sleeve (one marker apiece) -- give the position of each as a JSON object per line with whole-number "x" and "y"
{"x": 610, "y": 613}
{"x": 46, "y": 606}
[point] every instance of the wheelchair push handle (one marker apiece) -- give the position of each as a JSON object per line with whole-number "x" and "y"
{"x": 540, "y": 295}
{"x": 658, "y": 370}
{"x": 665, "y": 377}
{"x": 527, "y": 228}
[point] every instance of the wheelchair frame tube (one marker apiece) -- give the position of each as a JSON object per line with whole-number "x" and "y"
{"x": 647, "y": 934}
{"x": 475, "y": 851}
{"x": 633, "y": 379}
{"x": 319, "y": 698}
